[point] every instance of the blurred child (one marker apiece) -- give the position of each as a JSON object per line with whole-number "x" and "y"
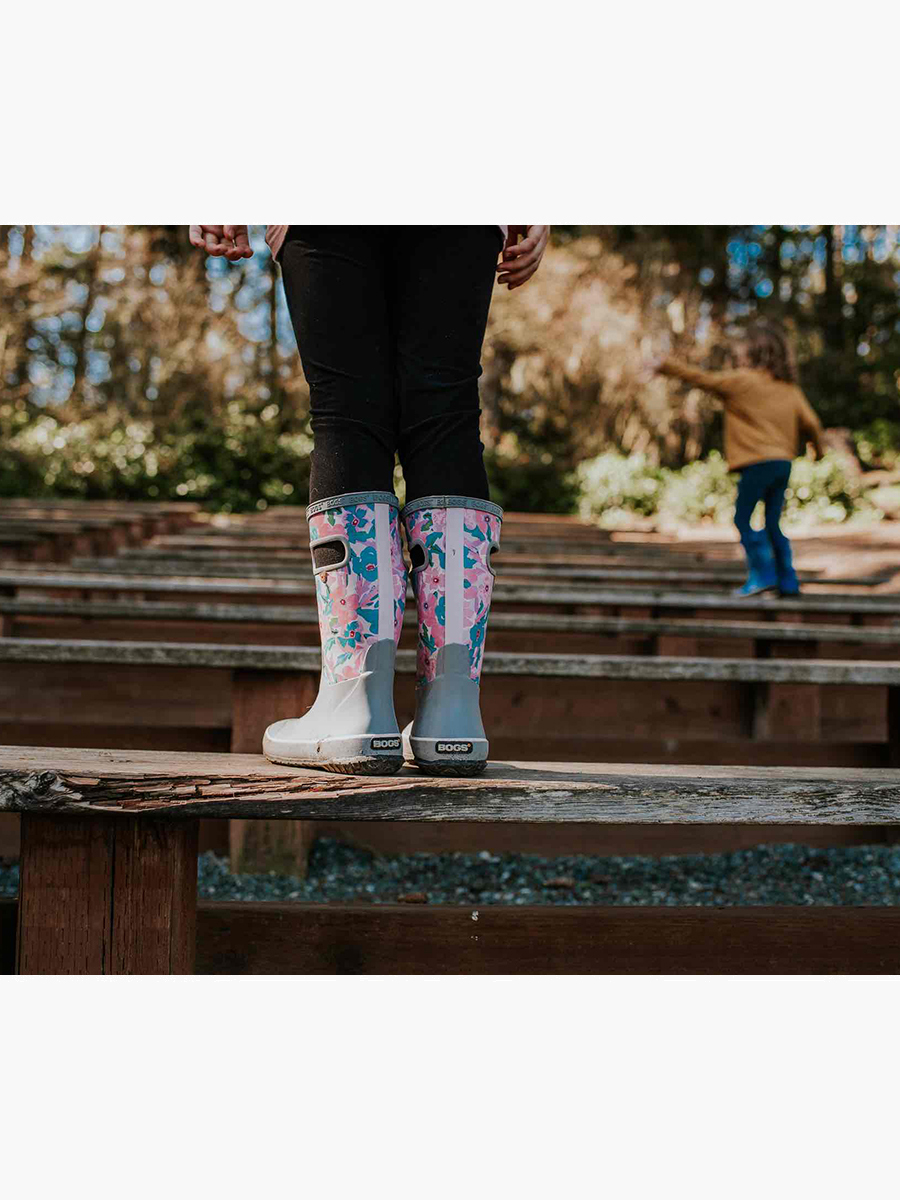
{"x": 767, "y": 417}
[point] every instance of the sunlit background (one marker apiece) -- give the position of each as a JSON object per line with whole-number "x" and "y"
{"x": 133, "y": 367}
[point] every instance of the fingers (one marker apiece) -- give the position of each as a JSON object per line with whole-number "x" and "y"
{"x": 521, "y": 261}
{"x": 516, "y": 280}
{"x": 222, "y": 241}
{"x": 214, "y": 239}
{"x": 517, "y": 267}
{"x": 240, "y": 237}
{"x": 524, "y": 247}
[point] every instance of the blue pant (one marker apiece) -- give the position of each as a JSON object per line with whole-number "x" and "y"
{"x": 768, "y": 550}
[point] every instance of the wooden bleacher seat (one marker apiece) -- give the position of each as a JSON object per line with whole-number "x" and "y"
{"x": 108, "y": 871}
{"x": 763, "y": 710}
{"x": 881, "y": 608}
{"x": 259, "y": 624}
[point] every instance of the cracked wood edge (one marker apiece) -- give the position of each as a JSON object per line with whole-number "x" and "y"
{"x": 664, "y": 797}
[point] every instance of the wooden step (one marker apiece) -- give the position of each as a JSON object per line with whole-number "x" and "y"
{"x": 569, "y": 633}
{"x": 108, "y": 872}
{"x": 182, "y": 695}
{"x": 859, "y": 608}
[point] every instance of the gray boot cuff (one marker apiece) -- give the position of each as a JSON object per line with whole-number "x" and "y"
{"x": 452, "y": 502}
{"x": 350, "y": 498}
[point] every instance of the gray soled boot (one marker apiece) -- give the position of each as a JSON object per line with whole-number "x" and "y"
{"x": 450, "y": 539}
{"x": 352, "y": 727}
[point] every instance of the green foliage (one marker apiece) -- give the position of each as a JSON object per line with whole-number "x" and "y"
{"x": 703, "y": 490}
{"x": 616, "y": 488}
{"x": 878, "y": 443}
{"x": 529, "y": 465}
{"x": 823, "y": 491}
{"x": 530, "y": 486}
{"x": 234, "y": 460}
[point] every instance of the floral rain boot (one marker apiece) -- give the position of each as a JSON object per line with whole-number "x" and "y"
{"x": 450, "y": 540}
{"x": 352, "y": 727}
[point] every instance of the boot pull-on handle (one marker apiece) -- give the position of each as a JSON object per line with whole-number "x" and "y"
{"x": 321, "y": 544}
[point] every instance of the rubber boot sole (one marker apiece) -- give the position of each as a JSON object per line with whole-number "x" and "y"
{"x": 434, "y": 756}
{"x": 459, "y": 770}
{"x": 351, "y": 729}
{"x": 342, "y": 756}
{"x": 349, "y": 766}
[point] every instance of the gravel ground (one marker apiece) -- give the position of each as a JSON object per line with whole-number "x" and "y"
{"x": 763, "y": 875}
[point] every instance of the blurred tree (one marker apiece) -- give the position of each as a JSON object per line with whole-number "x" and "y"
{"x": 130, "y": 364}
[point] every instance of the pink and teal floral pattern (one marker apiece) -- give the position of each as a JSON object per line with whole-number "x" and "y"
{"x": 427, "y": 528}
{"x": 481, "y": 530}
{"x": 399, "y": 574}
{"x": 349, "y": 617}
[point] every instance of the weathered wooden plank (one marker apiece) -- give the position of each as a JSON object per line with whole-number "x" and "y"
{"x": 573, "y": 579}
{"x": 514, "y": 837}
{"x": 107, "y": 897}
{"x": 10, "y": 538}
{"x": 261, "y": 939}
{"x": 588, "y": 666}
{"x": 787, "y": 711}
{"x": 210, "y": 785}
{"x": 162, "y": 610}
{"x": 527, "y": 564}
{"x": 301, "y": 939}
{"x": 200, "y": 612}
{"x": 177, "y": 507}
{"x": 555, "y": 623}
{"x": 126, "y": 693}
{"x": 885, "y": 605}
{"x": 561, "y": 718}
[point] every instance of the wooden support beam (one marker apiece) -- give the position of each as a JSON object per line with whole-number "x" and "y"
{"x": 298, "y": 939}
{"x": 258, "y": 699}
{"x": 787, "y": 712}
{"x": 107, "y": 896}
{"x": 893, "y": 725}
{"x": 266, "y": 938}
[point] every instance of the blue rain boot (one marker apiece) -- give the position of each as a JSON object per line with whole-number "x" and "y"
{"x": 788, "y": 583}
{"x": 762, "y": 574}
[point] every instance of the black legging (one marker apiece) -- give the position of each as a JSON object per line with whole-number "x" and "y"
{"x": 390, "y": 320}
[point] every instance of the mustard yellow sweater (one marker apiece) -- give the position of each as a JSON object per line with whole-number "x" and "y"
{"x": 764, "y": 417}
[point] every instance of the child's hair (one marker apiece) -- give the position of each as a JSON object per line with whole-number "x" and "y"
{"x": 768, "y": 348}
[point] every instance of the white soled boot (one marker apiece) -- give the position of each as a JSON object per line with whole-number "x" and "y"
{"x": 450, "y": 540}
{"x": 352, "y": 727}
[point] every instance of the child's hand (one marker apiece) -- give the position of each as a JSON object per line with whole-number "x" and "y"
{"x": 522, "y": 259}
{"x": 222, "y": 241}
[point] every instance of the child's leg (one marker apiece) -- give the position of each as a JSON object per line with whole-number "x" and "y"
{"x": 443, "y": 284}
{"x": 335, "y": 281}
{"x": 781, "y": 547}
{"x": 443, "y": 280}
{"x": 336, "y": 286}
{"x": 761, "y": 567}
